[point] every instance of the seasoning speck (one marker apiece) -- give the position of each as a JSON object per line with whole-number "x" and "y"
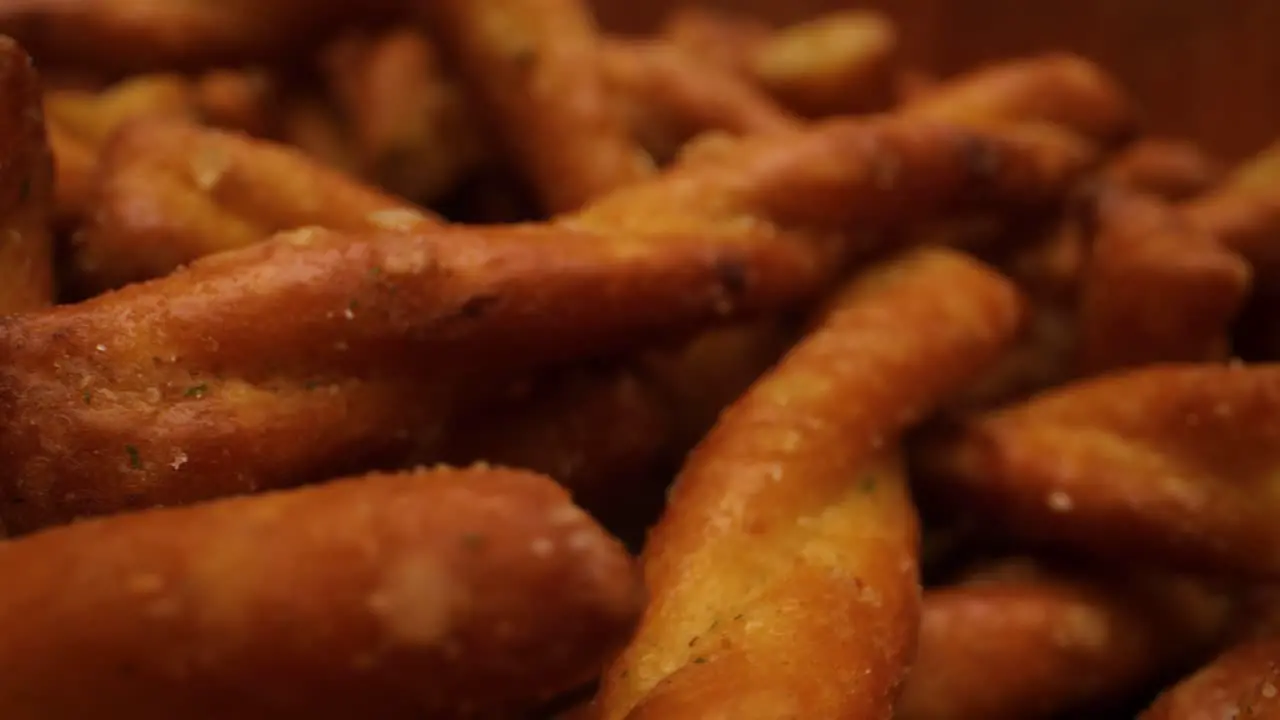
{"x": 196, "y": 391}
{"x": 473, "y": 541}
{"x": 135, "y": 459}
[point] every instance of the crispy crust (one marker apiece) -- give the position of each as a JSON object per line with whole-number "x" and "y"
{"x": 1244, "y": 214}
{"x": 123, "y": 36}
{"x": 1156, "y": 289}
{"x": 534, "y": 66}
{"x": 26, "y": 187}
{"x": 1242, "y": 684}
{"x": 1175, "y": 170}
{"x": 1058, "y": 88}
{"x": 835, "y": 64}
{"x": 291, "y": 360}
{"x": 169, "y": 192}
{"x": 672, "y": 95}
{"x": 782, "y": 575}
{"x": 847, "y": 176}
{"x": 1172, "y": 464}
{"x": 442, "y": 593}
{"x": 1028, "y": 648}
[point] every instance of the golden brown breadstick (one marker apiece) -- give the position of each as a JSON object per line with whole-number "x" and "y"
{"x": 436, "y": 593}
{"x": 726, "y": 40}
{"x": 1243, "y": 683}
{"x": 244, "y": 100}
{"x": 122, "y": 36}
{"x": 269, "y": 366}
{"x": 783, "y": 574}
{"x": 170, "y": 192}
{"x": 838, "y": 63}
{"x": 847, "y": 175}
{"x": 1028, "y": 648}
{"x": 1175, "y": 170}
{"x": 26, "y": 187}
{"x": 671, "y": 95}
{"x": 81, "y": 122}
{"x": 1155, "y": 289}
{"x": 412, "y": 128}
{"x": 534, "y": 66}
{"x": 835, "y": 64}
{"x": 1244, "y": 213}
{"x": 1058, "y": 88}
{"x": 1168, "y": 464}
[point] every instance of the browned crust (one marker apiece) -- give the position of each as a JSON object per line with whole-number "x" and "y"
{"x": 441, "y": 593}
{"x": 1243, "y": 683}
{"x": 1026, "y": 648}
{"x": 1057, "y": 88}
{"x": 1156, "y": 289}
{"x": 168, "y": 192}
{"x": 1172, "y": 464}
{"x": 782, "y": 575}
{"x": 26, "y": 186}
{"x": 534, "y": 67}
{"x": 288, "y": 360}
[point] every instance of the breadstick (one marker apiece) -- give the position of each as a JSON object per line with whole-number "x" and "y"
{"x": 269, "y": 366}
{"x": 1243, "y": 683}
{"x": 783, "y": 574}
{"x": 1173, "y": 465}
{"x": 435, "y": 593}
{"x": 26, "y": 187}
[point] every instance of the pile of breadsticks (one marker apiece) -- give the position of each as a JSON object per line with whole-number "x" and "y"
{"x": 436, "y": 359}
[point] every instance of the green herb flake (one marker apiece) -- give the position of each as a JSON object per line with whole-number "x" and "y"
{"x": 135, "y": 459}
{"x": 867, "y": 484}
{"x": 353, "y": 305}
{"x": 196, "y": 391}
{"x": 699, "y": 660}
{"x": 24, "y": 190}
{"x": 473, "y": 541}
{"x": 375, "y": 272}
{"x": 88, "y": 397}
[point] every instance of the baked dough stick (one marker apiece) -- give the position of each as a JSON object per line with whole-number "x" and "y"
{"x": 81, "y": 121}
{"x": 600, "y": 432}
{"x": 671, "y": 95}
{"x": 26, "y": 187}
{"x": 534, "y": 66}
{"x": 1244, "y": 213}
{"x": 130, "y": 36}
{"x": 1044, "y": 645}
{"x": 1173, "y": 465}
{"x": 846, "y": 177}
{"x": 783, "y": 575}
{"x": 1243, "y": 683}
{"x": 1172, "y": 169}
{"x": 267, "y": 366}
{"x": 1155, "y": 288}
{"x": 835, "y": 64}
{"x": 169, "y": 192}
{"x": 1057, "y": 88}
{"x": 412, "y": 128}
{"x": 435, "y": 593}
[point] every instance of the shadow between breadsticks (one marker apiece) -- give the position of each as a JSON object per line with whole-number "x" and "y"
{"x": 783, "y": 573}
{"x": 434, "y": 593}
{"x": 1168, "y": 464}
{"x": 26, "y": 186}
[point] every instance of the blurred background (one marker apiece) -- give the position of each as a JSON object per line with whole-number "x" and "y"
{"x": 1207, "y": 69}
